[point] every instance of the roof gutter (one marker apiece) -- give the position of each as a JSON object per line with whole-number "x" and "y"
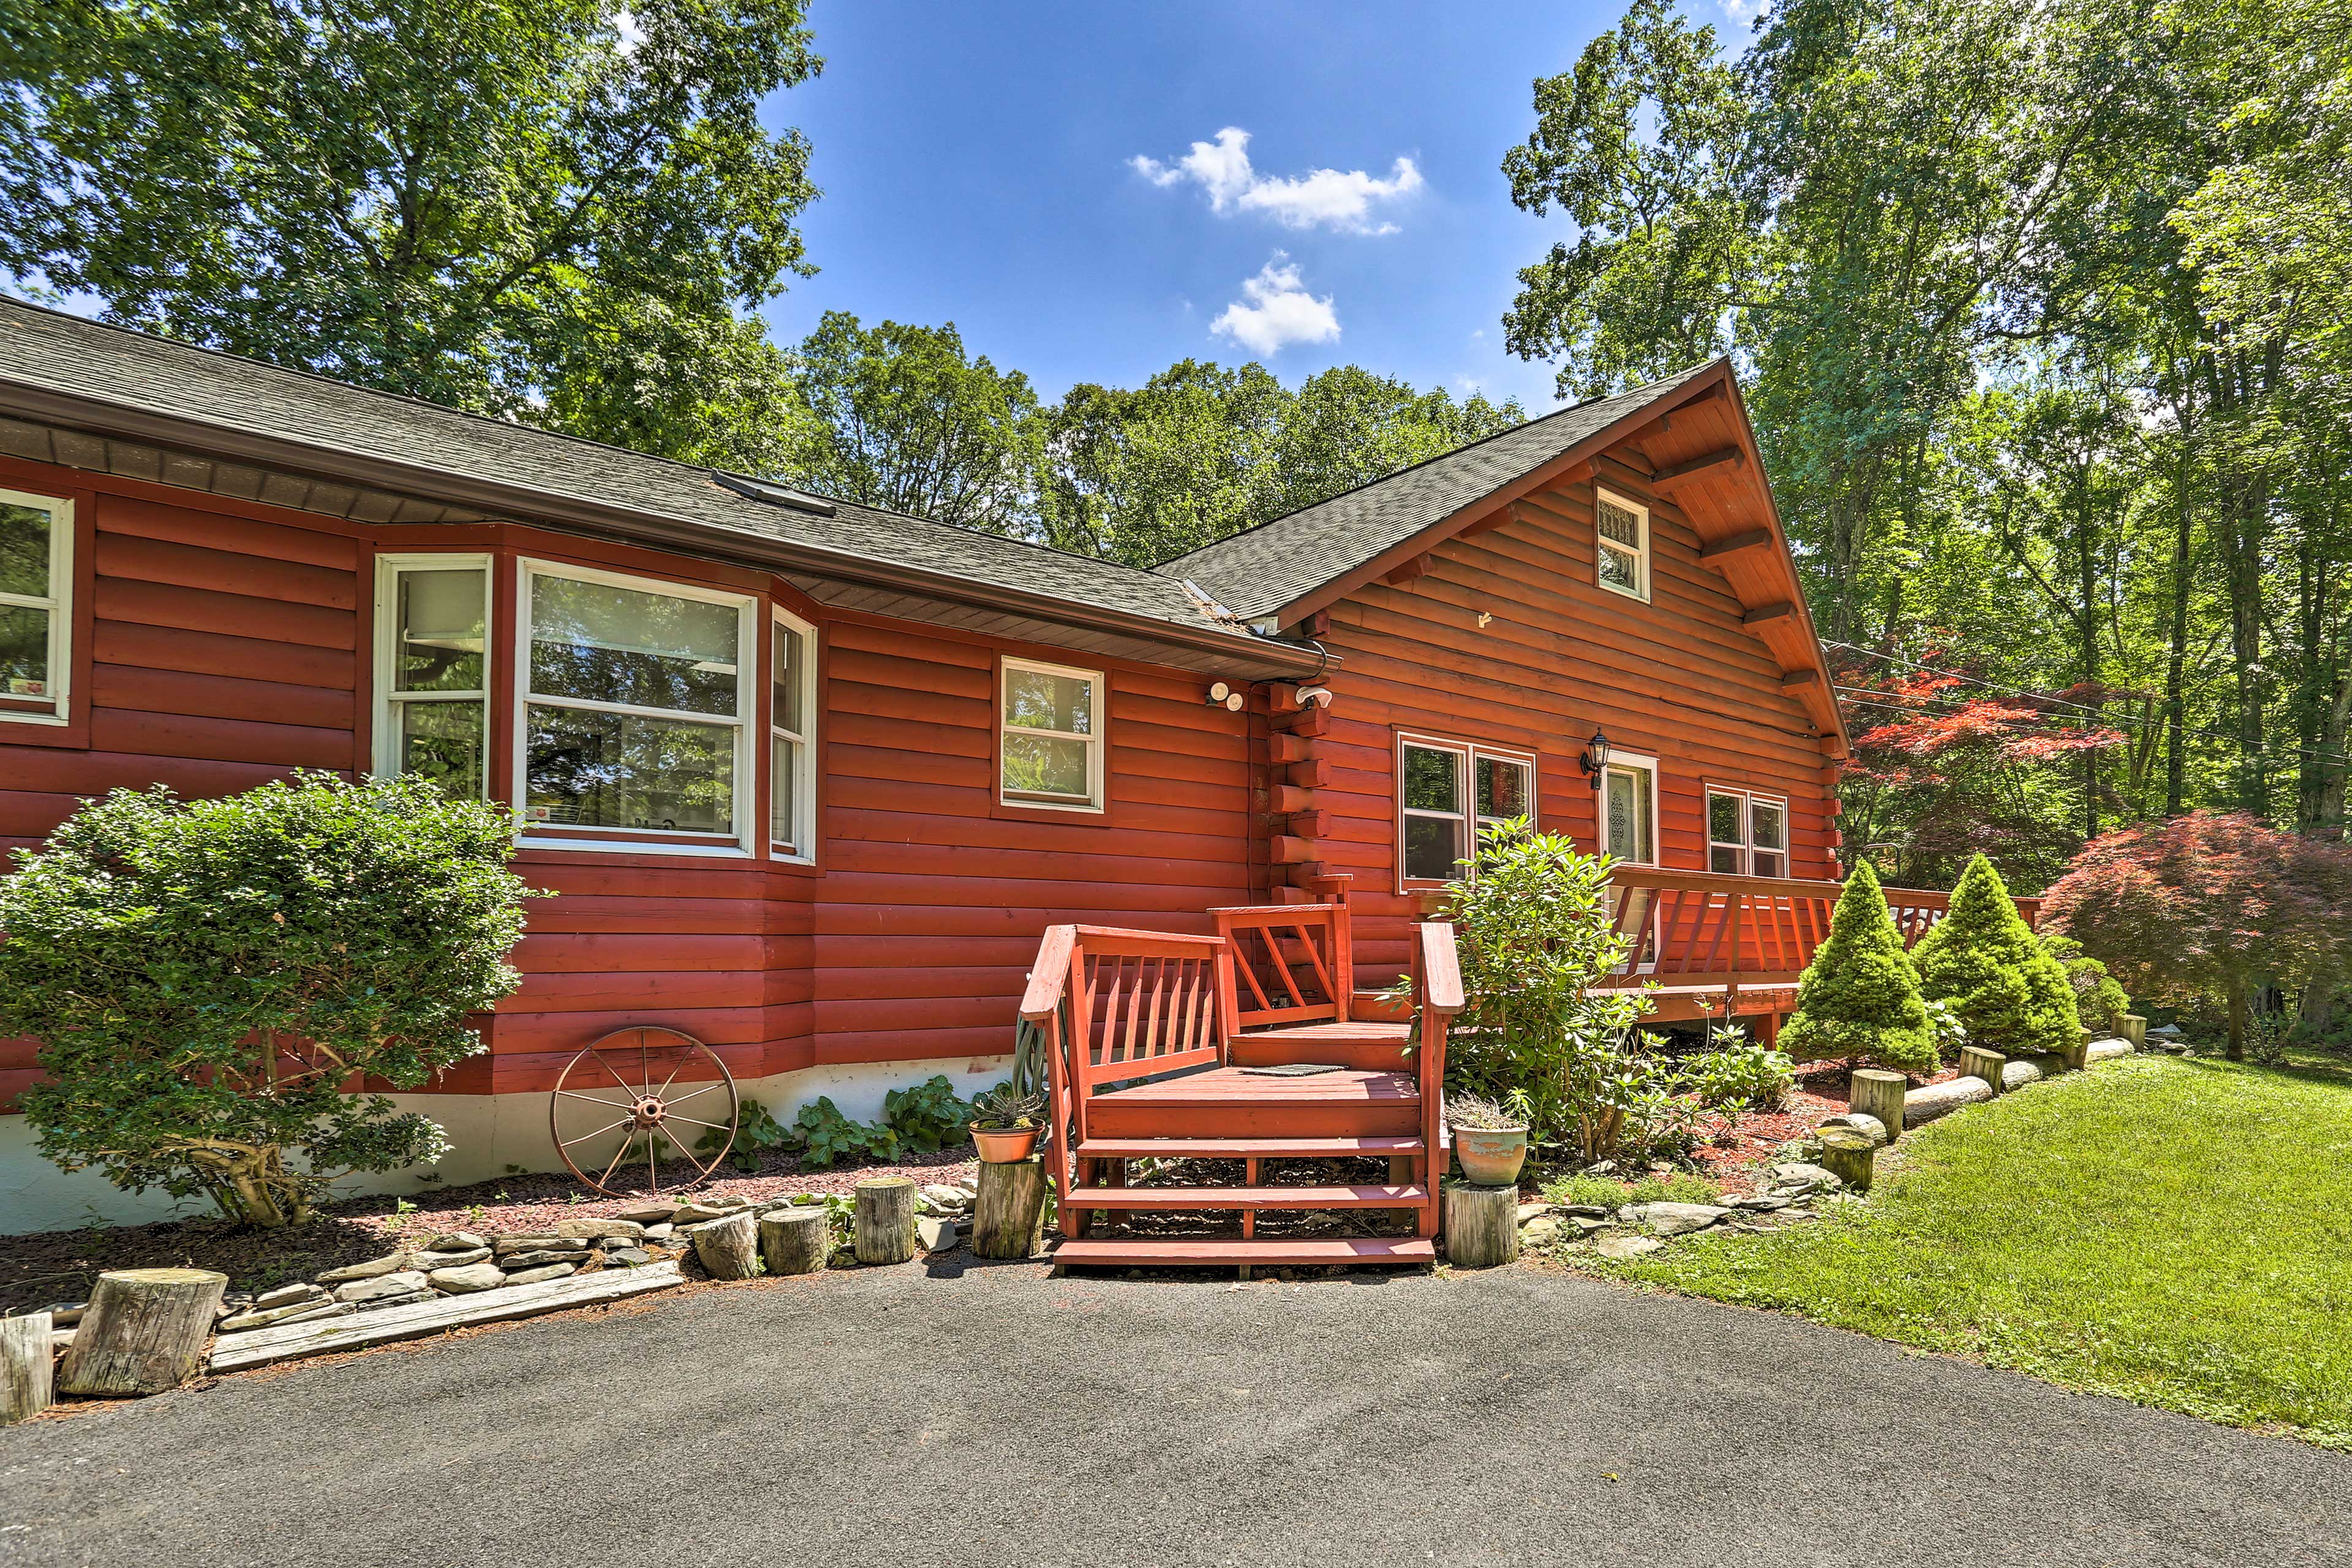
{"x": 322, "y": 460}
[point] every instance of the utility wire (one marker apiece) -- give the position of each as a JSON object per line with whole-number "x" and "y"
{"x": 2100, "y": 714}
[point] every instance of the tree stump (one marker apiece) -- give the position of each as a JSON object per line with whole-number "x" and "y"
{"x": 1981, "y": 1061}
{"x": 2136, "y": 1031}
{"x": 795, "y": 1240}
{"x": 1482, "y": 1225}
{"x": 25, "y": 1382}
{"x": 1849, "y": 1155}
{"x": 1008, "y": 1219}
{"x": 886, "y": 1219}
{"x": 144, "y": 1332}
{"x": 1877, "y": 1092}
{"x": 1922, "y": 1106}
{"x": 2077, "y": 1055}
{"x": 729, "y": 1249}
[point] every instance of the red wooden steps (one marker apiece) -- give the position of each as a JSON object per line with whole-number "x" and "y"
{"x": 1227, "y": 1101}
{"x": 1229, "y": 1251}
{"x": 1403, "y": 1196}
{"x": 1243, "y": 1148}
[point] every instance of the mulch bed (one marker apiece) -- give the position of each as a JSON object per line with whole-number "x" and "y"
{"x": 62, "y": 1265}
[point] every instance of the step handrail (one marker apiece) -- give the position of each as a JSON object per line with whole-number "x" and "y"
{"x": 1438, "y": 987}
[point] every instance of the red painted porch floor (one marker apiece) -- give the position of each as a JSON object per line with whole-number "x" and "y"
{"x": 1216, "y": 1086}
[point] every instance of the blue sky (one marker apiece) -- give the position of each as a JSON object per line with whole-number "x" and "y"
{"x": 979, "y": 166}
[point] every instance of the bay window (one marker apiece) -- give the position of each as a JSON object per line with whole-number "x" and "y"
{"x": 635, "y": 699}
{"x": 36, "y": 606}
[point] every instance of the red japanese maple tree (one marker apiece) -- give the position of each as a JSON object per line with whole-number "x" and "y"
{"x": 2212, "y": 904}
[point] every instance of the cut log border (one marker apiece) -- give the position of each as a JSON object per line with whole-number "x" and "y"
{"x": 25, "y": 1367}
{"x": 1982, "y": 1061}
{"x": 886, "y": 1219}
{"x": 1877, "y": 1091}
{"x": 143, "y": 1332}
{"x": 1849, "y": 1155}
{"x": 1008, "y": 1217}
{"x": 1482, "y": 1225}
{"x": 795, "y": 1240}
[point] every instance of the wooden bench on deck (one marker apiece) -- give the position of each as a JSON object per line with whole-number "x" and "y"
{"x": 1148, "y": 1036}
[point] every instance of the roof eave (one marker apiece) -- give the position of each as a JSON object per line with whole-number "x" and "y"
{"x": 133, "y": 421}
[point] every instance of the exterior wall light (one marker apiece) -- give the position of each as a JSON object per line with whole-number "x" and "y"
{"x": 1596, "y": 756}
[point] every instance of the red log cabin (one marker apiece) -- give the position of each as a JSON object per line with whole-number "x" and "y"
{"x": 814, "y": 782}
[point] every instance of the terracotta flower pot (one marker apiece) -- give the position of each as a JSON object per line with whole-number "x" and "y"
{"x": 1491, "y": 1157}
{"x": 1005, "y": 1145}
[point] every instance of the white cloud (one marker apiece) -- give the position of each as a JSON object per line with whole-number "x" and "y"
{"x": 1275, "y": 309}
{"x": 1744, "y": 10}
{"x": 632, "y": 34}
{"x": 1327, "y": 198}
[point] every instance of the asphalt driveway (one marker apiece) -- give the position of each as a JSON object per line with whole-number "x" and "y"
{"x": 988, "y": 1414}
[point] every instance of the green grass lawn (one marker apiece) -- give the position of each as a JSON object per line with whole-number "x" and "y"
{"x": 2175, "y": 1232}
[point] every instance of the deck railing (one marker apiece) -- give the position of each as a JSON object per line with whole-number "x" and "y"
{"x": 1289, "y": 963}
{"x": 1703, "y": 930}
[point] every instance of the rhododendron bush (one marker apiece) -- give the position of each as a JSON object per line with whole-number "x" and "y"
{"x": 2212, "y": 904}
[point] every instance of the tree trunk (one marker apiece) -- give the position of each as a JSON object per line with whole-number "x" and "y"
{"x": 2238, "y": 1020}
{"x": 728, "y": 1248}
{"x": 1482, "y": 1225}
{"x": 145, "y": 1331}
{"x": 1008, "y": 1219}
{"x": 795, "y": 1240}
{"x": 886, "y": 1219}
{"x": 24, "y": 1367}
{"x": 1877, "y": 1092}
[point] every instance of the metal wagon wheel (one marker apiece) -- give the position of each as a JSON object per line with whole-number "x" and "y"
{"x": 639, "y": 1099}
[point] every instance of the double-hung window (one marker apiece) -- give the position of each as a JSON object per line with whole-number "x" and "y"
{"x": 36, "y": 606}
{"x": 1446, "y": 792}
{"x": 1622, "y": 544}
{"x": 433, "y": 715}
{"x": 636, "y": 699}
{"x": 791, "y": 778}
{"x": 1747, "y": 835}
{"x": 1051, "y": 752}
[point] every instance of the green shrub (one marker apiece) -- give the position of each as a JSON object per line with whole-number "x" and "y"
{"x": 1740, "y": 1076}
{"x": 204, "y": 977}
{"x": 2099, "y": 997}
{"x": 1984, "y": 959}
{"x": 1534, "y": 930}
{"x": 927, "y": 1117}
{"x": 827, "y": 1137}
{"x": 1860, "y": 998}
{"x": 756, "y": 1133}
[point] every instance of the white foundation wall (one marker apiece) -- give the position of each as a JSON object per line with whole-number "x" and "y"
{"x": 487, "y": 1133}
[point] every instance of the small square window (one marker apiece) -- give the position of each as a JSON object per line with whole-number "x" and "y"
{"x": 1051, "y": 754}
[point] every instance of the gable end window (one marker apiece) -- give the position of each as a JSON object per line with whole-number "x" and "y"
{"x": 1622, "y": 544}
{"x": 1050, "y": 753}
{"x": 36, "y": 606}
{"x": 1447, "y": 791}
{"x": 635, "y": 699}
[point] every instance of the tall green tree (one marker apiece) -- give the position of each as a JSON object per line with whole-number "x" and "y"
{"x": 560, "y": 211}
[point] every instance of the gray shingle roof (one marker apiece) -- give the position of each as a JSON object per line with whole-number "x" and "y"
{"x": 67, "y": 354}
{"x": 1263, "y": 569}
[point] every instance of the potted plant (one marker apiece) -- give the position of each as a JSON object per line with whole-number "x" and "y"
{"x": 1006, "y": 1123}
{"x": 1489, "y": 1139}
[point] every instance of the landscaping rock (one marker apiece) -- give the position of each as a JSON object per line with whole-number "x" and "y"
{"x": 1601, "y": 1168}
{"x": 948, "y": 1197}
{"x": 661, "y": 1232}
{"x": 2107, "y": 1050}
{"x": 1679, "y": 1219}
{"x": 405, "y": 1298}
{"x": 591, "y": 1228}
{"x": 533, "y": 1275}
{"x": 1800, "y": 1177}
{"x": 293, "y": 1312}
{"x": 698, "y": 1212}
{"x": 533, "y": 1241}
{"x": 286, "y": 1296}
{"x": 938, "y": 1235}
{"x": 544, "y": 1256}
{"x": 457, "y": 1241}
{"x": 381, "y": 1286}
{"x": 1587, "y": 1211}
{"x": 1541, "y": 1231}
{"x": 2017, "y": 1074}
{"x": 628, "y": 1257}
{"x": 649, "y": 1213}
{"x": 1625, "y": 1247}
{"x": 233, "y": 1301}
{"x": 374, "y": 1268}
{"x": 1870, "y": 1127}
{"x": 1760, "y": 1203}
{"x": 65, "y": 1314}
{"x": 468, "y": 1278}
{"x": 1587, "y": 1223}
{"x": 1530, "y": 1213}
{"x": 432, "y": 1260}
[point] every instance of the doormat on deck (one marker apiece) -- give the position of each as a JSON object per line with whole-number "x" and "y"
{"x": 1293, "y": 1070}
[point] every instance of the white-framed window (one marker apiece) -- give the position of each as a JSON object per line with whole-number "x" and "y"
{"x": 1629, "y": 808}
{"x": 1747, "y": 835}
{"x": 1446, "y": 792}
{"x": 1050, "y": 753}
{"x": 634, "y": 702}
{"x": 1622, "y": 544}
{"x": 792, "y": 735}
{"x": 36, "y": 606}
{"x": 433, "y": 669}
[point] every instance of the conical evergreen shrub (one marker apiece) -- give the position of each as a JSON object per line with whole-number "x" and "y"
{"x": 1860, "y": 997}
{"x": 1985, "y": 960}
